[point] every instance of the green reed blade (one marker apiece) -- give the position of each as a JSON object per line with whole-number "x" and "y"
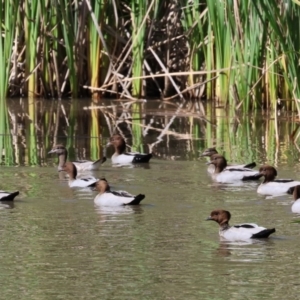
{"x": 94, "y": 45}
{"x": 138, "y": 11}
{"x": 31, "y": 136}
{"x": 95, "y": 146}
{"x": 137, "y": 144}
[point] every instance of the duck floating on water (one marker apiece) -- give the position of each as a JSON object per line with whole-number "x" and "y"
{"x": 223, "y": 174}
{"x": 106, "y": 197}
{"x": 209, "y": 152}
{"x": 271, "y": 186}
{"x": 81, "y": 165}
{"x": 83, "y": 182}
{"x": 240, "y": 232}
{"x": 295, "y": 191}
{"x": 123, "y": 158}
{"x": 8, "y": 196}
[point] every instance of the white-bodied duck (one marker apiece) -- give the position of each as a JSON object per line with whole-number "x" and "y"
{"x": 271, "y": 186}
{"x": 122, "y": 157}
{"x": 8, "y": 196}
{"x": 209, "y": 152}
{"x": 224, "y": 175}
{"x": 240, "y": 232}
{"x": 295, "y": 191}
{"x": 106, "y": 197}
{"x": 81, "y": 165}
{"x": 83, "y": 182}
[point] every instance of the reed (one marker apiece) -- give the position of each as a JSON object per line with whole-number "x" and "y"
{"x": 8, "y": 17}
{"x": 94, "y": 50}
{"x": 193, "y": 26}
{"x": 283, "y": 18}
{"x": 69, "y": 14}
{"x": 95, "y": 131}
{"x": 246, "y": 51}
{"x": 137, "y": 120}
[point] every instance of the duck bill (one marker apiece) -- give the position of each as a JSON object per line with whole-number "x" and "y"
{"x": 52, "y": 151}
{"x": 205, "y": 154}
{"x": 209, "y": 163}
{"x": 208, "y": 218}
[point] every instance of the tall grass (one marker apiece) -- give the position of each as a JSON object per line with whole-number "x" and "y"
{"x": 9, "y": 14}
{"x": 241, "y": 53}
{"x": 94, "y": 47}
{"x": 138, "y": 10}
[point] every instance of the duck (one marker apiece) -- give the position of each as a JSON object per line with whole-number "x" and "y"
{"x": 106, "y": 197}
{"x": 83, "y": 182}
{"x": 271, "y": 186}
{"x": 224, "y": 175}
{"x": 295, "y": 191}
{"x": 209, "y": 152}
{"x": 123, "y": 158}
{"x": 240, "y": 232}
{"x": 81, "y": 165}
{"x": 8, "y": 196}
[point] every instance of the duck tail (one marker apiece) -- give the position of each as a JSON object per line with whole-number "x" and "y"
{"x": 142, "y": 158}
{"x": 250, "y": 165}
{"x": 100, "y": 161}
{"x": 10, "y": 197}
{"x": 137, "y": 199}
{"x": 263, "y": 234}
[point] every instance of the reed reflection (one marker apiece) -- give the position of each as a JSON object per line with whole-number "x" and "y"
{"x": 169, "y": 130}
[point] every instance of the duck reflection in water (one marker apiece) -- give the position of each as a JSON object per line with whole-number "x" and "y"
{"x": 7, "y": 205}
{"x": 117, "y": 213}
{"x": 238, "y": 232}
{"x": 244, "y": 251}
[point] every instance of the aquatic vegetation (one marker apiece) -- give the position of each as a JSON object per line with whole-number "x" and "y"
{"x": 238, "y": 53}
{"x": 167, "y": 130}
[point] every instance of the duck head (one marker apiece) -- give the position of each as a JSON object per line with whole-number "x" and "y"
{"x": 268, "y": 172}
{"x": 295, "y": 191}
{"x": 58, "y": 149}
{"x": 102, "y": 186}
{"x": 118, "y": 142}
{"x": 209, "y": 152}
{"x": 220, "y": 216}
{"x": 219, "y": 162}
{"x": 62, "y": 153}
{"x": 70, "y": 169}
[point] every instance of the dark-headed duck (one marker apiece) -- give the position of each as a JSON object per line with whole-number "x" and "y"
{"x": 81, "y": 165}
{"x": 295, "y": 191}
{"x": 83, "y": 182}
{"x": 209, "y": 152}
{"x": 224, "y": 175}
{"x": 271, "y": 186}
{"x": 122, "y": 157}
{"x": 106, "y": 197}
{"x": 240, "y": 232}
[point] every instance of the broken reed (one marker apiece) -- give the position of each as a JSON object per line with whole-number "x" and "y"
{"x": 248, "y": 51}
